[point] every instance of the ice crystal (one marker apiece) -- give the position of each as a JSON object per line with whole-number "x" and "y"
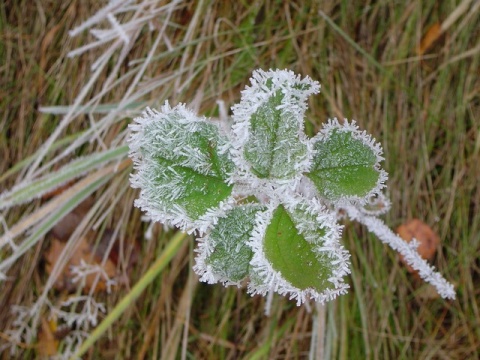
{"x": 265, "y": 200}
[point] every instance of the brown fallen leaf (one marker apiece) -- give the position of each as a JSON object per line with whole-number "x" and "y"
{"x": 47, "y": 342}
{"x": 84, "y": 256}
{"x": 428, "y": 240}
{"x": 433, "y": 34}
{"x": 66, "y": 226}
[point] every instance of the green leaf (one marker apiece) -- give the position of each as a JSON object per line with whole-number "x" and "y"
{"x": 345, "y": 166}
{"x": 293, "y": 255}
{"x": 230, "y": 255}
{"x": 181, "y": 170}
{"x": 268, "y": 125}
{"x": 273, "y": 148}
{"x": 199, "y": 192}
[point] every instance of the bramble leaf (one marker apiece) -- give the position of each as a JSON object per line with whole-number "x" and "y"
{"x": 224, "y": 253}
{"x": 297, "y": 252}
{"x": 268, "y": 124}
{"x": 346, "y": 163}
{"x": 264, "y": 197}
{"x": 273, "y": 147}
{"x": 181, "y": 170}
{"x": 293, "y": 255}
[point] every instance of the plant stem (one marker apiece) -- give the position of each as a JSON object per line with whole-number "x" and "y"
{"x": 317, "y": 345}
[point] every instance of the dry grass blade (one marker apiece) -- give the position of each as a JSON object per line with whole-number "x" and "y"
{"x": 33, "y": 218}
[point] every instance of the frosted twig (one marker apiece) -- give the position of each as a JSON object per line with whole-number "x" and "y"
{"x": 22, "y": 330}
{"x": 408, "y": 251}
{"x": 83, "y": 319}
{"x": 70, "y": 344}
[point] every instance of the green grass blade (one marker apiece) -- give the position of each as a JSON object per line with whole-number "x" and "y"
{"x": 28, "y": 160}
{"x": 352, "y": 42}
{"x": 51, "y": 220}
{"x": 28, "y": 191}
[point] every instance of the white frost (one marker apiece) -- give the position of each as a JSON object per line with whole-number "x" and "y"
{"x": 408, "y": 251}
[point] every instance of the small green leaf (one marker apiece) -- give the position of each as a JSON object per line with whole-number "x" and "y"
{"x": 268, "y": 125}
{"x": 295, "y": 257}
{"x": 199, "y": 192}
{"x": 181, "y": 171}
{"x": 230, "y": 256}
{"x": 345, "y": 166}
{"x": 273, "y": 148}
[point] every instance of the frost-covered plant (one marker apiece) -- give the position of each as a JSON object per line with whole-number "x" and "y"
{"x": 264, "y": 198}
{"x": 80, "y": 313}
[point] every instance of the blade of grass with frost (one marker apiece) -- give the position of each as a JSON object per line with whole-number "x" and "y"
{"x": 101, "y": 14}
{"x": 119, "y": 31}
{"x": 42, "y": 213}
{"x": 28, "y": 160}
{"x": 27, "y": 191}
{"x": 49, "y": 222}
{"x": 92, "y": 134}
{"x": 113, "y": 6}
{"x": 63, "y": 123}
{"x": 89, "y": 109}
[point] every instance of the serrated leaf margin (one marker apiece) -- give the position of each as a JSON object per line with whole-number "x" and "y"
{"x": 351, "y": 127}
{"x": 253, "y": 97}
{"x": 176, "y": 216}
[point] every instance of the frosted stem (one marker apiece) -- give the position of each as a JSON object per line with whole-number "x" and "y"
{"x": 411, "y": 256}
{"x": 317, "y": 345}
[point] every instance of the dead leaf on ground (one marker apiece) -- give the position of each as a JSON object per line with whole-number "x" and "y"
{"x": 83, "y": 253}
{"x": 65, "y": 227}
{"x": 428, "y": 292}
{"x": 47, "y": 342}
{"x": 431, "y": 36}
{"x": 428, "y": 240}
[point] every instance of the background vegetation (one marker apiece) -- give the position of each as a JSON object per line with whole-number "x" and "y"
{"x": 375, "y": 64}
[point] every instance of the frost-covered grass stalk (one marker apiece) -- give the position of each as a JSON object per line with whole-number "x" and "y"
{"x": 263, "y": 198}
